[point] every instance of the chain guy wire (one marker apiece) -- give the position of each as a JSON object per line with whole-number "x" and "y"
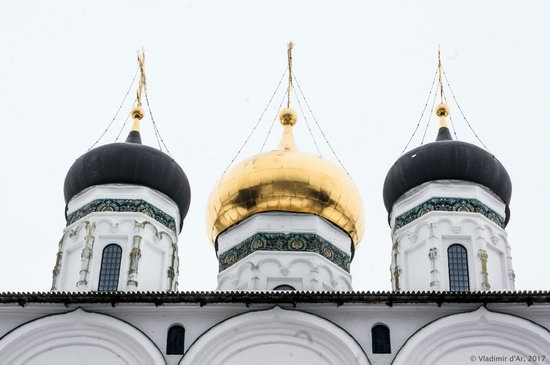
{"x": 461, "y": 112}
{"x": 307, "y": 123}
{"x": 422, "y": 114}
{"x": 123, "y": 125}
{"x": 273, "y": 121}
{"x": 429, "y": 118}
{"x": 451, "y": 118}
{"x": 318, "y": 126}
{"x": 157, "y": 133}
{"x": 118, "y": 110}
{"x": 257, "y": 123}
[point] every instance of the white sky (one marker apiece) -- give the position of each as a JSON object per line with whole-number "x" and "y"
{"x": 365, "y": 68}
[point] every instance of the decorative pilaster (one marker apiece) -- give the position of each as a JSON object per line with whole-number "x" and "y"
{"x": 135, "y": 255}
{"x": 172, "y": 269}
{"x": 396, "y": 273}
{"x": 315, "y": 278}
{"x": 484, "y": 274}
{"x": 86, "y": 255}
{"x": 395, "y": 266}
{"x": 57, "y": 267}
{"x": 512, "y": 277}
{"x": 511, "y": 272}
{"x": 255, "y": 278}
{"x": 433, "y": 255}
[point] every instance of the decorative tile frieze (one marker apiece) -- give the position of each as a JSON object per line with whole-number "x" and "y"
{"x": 449, "y": 205}
{"x": 306, "y": 242}
{"x": 123, "y": 205}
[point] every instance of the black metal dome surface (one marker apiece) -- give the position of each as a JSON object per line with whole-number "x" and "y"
{"x": 130, "y": 163}
{"x": 446, "y": 159}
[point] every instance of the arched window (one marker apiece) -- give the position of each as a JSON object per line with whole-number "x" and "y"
{"x": 110, "y": 268}
{"x": 284, "y": 287}
{"x": 175, "y": 342}
{"x": 381, "y": 339}
{"x": 458, "y": 268}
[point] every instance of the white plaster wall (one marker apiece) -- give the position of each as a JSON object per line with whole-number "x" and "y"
{"x": 404, "y": 320}
{"x": 74, "y": 355}
{"x": 438, "y": 230}
{"x": 69, "y": 274}
{"x": 415, "y": 256}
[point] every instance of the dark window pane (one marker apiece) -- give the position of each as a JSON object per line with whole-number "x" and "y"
{"x": 284, "y": 287}
{"x": 175, "y": 342}
{"x": 458, "y": 268}
{"x": 381, "y": 339}
{"x": 110, "y": 268}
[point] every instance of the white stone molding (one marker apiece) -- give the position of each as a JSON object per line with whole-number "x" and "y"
{"x": 78, "y": 337}
{"x": 275, "y": 336}
{"x": 464, "y": 338}
{"x": 263, "y": 270}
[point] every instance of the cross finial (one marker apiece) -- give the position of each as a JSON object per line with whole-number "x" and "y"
{"x": 442, "y": 110}
{"x": 137, "y": 111}
{"x": 289, "y": 53}
{"x": 141, "y": 63}
{"x": 287, "y": 116}
{"x": 440, "y": 72}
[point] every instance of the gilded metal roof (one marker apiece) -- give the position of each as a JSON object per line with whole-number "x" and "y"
{"x": 286, "y": 180}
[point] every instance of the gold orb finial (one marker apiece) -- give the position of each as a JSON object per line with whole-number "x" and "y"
{"x": 442, "y": 110}
{"x": 137, "y": 114}
{"x": 288, "y": 117}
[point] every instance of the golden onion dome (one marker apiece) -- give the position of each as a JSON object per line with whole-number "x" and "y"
{"x": 286, "y": 180}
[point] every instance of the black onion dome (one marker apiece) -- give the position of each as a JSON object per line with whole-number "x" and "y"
{"x": 446, "y": 159}
{"x": 130, "y": 163}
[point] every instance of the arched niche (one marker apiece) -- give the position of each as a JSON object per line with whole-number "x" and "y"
{"x": 78, "y": 337}
{"x": 275, "y": 336}
{"x": 467, "y": 337}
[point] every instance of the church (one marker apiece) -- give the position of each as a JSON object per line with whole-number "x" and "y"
{"x": 285, "y": 225}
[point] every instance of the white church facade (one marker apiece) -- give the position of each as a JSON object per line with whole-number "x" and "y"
{"x": 285, "y": 225}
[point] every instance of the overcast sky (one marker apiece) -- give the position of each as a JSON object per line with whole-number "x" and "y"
{"x": 365, "y": 68}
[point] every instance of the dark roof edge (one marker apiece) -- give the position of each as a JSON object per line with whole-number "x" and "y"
{"x": 270, "y": 297}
